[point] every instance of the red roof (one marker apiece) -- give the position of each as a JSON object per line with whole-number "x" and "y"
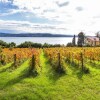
{"x": 93, "y": 38}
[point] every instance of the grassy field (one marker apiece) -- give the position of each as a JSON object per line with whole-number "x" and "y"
{"x": 48, "y": 85}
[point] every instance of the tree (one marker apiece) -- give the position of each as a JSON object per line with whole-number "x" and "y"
{"x": 46, "y": 45}
{"x": 74, "y": 41}
{"x": 99, "y": 41}
{"x": 3, "y": 44}
{"x": 98, "y": 36}
{"x": 12, "y": 44}
{"x": 80, "y": 39}
{"x": 69, "y": 44}
{"x": 28, "y": 44}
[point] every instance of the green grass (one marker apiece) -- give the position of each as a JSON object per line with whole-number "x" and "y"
{"x": 48, "y": 85}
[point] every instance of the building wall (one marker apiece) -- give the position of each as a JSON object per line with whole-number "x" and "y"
{"x": 91, "y": 42}
{"x": 97, "y": 42}
{"x": 88, "y": 42}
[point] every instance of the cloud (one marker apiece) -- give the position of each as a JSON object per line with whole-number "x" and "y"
{"x": 25, "y": 26}
{"x": 62, "y": 4}
{"x": 79, "y": 8}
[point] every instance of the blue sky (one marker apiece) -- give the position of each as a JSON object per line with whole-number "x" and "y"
{"x": 50, "y": 16}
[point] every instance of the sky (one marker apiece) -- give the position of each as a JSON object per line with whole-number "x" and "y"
{"x": 50, "y": 16}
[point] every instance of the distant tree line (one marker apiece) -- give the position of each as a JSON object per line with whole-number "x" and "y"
{"x": 4, "y": 44}
{"x": 27, "y": 44}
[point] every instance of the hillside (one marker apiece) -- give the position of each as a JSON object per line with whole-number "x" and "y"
{"x": 33, "y": 35}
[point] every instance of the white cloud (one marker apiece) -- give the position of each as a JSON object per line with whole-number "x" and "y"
{"x": 25, "y": 26}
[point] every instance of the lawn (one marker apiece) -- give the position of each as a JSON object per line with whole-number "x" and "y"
{"x": 16, "y": 84}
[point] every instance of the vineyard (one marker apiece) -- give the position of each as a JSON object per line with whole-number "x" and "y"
{"x": 18, "y": 56}
{"x": 47, "y": 72}
{"x": 75, "y": 56}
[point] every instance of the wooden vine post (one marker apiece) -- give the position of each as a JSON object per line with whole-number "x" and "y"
{"x": 33, "y": 70}
{"x": 15, "y": 58}
{"x": 69, "y": 56}
{"x": 82, "y": 61}
{"x": 33, "y": 63}
{"x": 72, "y": 57}
{"x": 59, "y": 64}
{"x": 1, "y": 57}
{"x": 60, "y": 68}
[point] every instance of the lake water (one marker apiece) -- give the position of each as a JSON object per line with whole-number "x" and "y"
{"x": 42, "y": 40}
